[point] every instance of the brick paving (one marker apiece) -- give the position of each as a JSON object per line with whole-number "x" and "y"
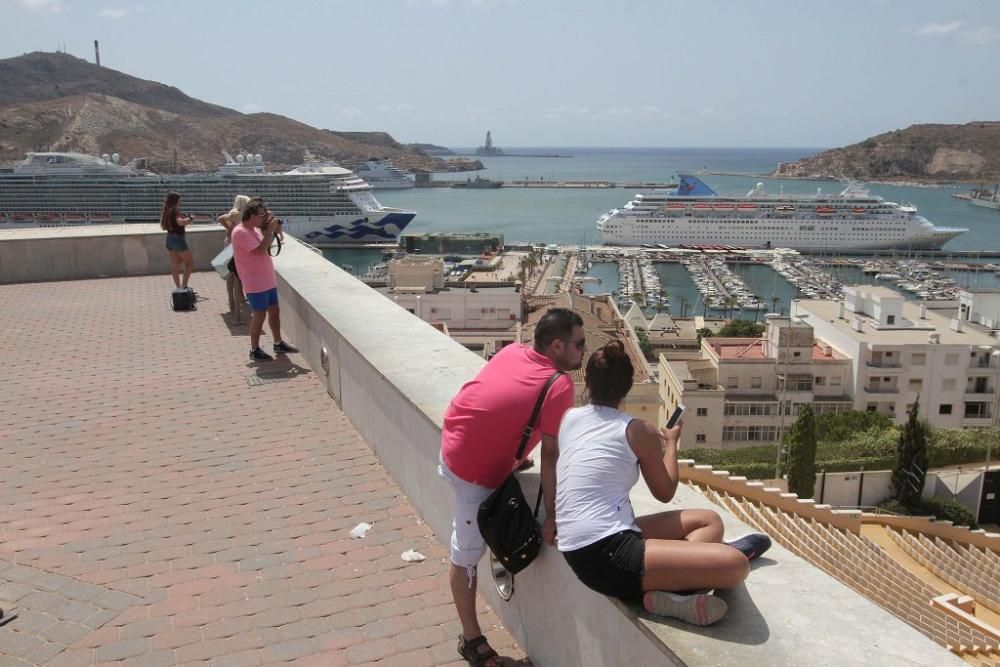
{"x": 160, "y": 508}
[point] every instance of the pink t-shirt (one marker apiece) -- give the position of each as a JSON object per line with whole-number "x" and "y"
{"x": 256, "y": 270}
{"x": 484, "y": 423}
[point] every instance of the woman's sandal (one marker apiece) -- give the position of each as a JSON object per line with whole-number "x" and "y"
{"x": 470, "y": 650}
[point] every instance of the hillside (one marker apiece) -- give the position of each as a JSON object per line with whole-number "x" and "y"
{"x": 931, "y": 153}
{"x": 54, "y": 101}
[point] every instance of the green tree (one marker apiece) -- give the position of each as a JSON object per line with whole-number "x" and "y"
{"x": 800, "y": 463}
{"x": 741, "y": 329}
{"x": 704, "y": 332}
{"x": 910, "y": 469}
{"x": 644, "y": 344}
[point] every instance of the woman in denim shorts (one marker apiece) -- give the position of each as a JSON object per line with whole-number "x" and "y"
{"x": 173, "y": 223}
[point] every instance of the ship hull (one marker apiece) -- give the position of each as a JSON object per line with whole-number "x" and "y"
{"x": 800, "y": 234}
{"x": 985, "y": 203}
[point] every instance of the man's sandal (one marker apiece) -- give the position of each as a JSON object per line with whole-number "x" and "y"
{"x": 470, "y": 650}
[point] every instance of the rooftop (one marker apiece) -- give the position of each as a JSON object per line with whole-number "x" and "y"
{"x": 731, "y": 349}
{"x": 166, "y": 502}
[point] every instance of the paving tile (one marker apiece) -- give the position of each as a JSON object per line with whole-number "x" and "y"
{"x": 197, "y": 533}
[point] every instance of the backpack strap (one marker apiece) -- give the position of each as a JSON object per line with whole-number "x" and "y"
{"x": 530, "y": 428}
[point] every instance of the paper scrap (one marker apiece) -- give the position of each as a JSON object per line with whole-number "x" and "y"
{"x": 411, "y": 556}
{"x": 359, "y": 530}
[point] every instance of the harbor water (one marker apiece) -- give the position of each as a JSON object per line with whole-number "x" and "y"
{"x": 568, "y": 216}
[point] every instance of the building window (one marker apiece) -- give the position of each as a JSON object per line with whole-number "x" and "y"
{"x": 699, "y": 437}
{"x": 733, "y": 382}
{"x": 702, "y": 412}
{"x": 918, "y": 359}
{"x": 796, "y": 354}
{"x": 819, "y": 381}
{"x": 916, "y": 385}
{"x": 749, "y": 433}
{"x": 890, "y": 319}
{"x": 944, "y": 409}
{"x": 835, "y": 381}
{"x": 755, "y": 383}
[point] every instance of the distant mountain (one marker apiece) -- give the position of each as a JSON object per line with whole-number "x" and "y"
{"x": 931, "y": 153}
{"x": 54, "y": 101}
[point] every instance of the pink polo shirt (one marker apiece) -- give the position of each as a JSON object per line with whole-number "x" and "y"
{"x": 256, "y": 270}
{"x": 483, "y": 424}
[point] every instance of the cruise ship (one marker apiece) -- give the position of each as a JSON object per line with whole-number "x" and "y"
{"x": 320, "y": 202}
{"x": 384, "y": 175}
{"x": 696, "y": 214}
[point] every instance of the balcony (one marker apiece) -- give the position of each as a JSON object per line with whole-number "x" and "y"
{"x": 882, "y": 389}
{"x": 886, "y": 365}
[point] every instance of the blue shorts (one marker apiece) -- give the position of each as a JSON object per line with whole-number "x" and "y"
{"x": 263, "y": 300}
{"x": 176, "y": 242}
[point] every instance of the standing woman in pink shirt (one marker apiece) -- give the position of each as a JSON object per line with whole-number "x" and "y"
{"x": 173, "y": 223}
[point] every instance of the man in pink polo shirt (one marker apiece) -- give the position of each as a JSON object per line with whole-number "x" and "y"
{"x": 482, "y": 430}
{"x": 251, "y": 240}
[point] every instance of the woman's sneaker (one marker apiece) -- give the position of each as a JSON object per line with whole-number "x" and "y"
{"x": 697, "y": 609}
{"x": 753, "y": 545}
{"x": 260, "y": 355}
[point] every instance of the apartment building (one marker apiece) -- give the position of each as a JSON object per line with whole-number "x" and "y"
{"x": 901, "y": 352}
{"x": 745, "y": 391}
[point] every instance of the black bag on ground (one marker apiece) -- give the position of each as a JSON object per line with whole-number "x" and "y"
{"x": 183, "y": 298}
{"x": 505, "y": 519}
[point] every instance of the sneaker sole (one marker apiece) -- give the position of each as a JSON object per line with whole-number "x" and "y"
{"x": 694, "y": 609}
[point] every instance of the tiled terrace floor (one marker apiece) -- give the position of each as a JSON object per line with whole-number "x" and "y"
{"x": 157, "y": 509}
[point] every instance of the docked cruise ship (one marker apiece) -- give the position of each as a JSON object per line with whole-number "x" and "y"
{"x": 321, "y": 203}
{"x": 384, "y": 175}
{"x": 695, "y": 214}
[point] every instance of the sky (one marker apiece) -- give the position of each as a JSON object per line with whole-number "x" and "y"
{"x": 624, "y": 73}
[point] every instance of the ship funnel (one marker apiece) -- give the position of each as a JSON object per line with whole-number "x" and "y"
{"x": 116, "y": 158}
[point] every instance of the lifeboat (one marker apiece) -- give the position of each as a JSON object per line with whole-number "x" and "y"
{"x": 725, "y": 207}
{"x": 702, "y": 206}
{"x": 859, "y": 210}
{"x": 47, "y": 217}
{"x": 825, "y": 210}
{"x": 100, "y": 217}
{"x": 747, "y": 207}
{"x": 21, "y": 217}
{"x": 675, "y": 205}
{"x": 73, "y": 217}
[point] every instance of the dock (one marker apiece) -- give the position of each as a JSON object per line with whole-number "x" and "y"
{"x": 573, "y": 185}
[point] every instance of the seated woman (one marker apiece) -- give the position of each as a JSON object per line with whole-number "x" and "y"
{"x": 671, "y": 559}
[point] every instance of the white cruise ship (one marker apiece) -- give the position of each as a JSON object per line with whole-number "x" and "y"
{"x": 696, "y": 215}
{"x": 321, "y": 203}
{"x": 384, "y": 175}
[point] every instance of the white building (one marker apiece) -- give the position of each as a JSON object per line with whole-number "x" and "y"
{"x": 901, "y": 353}
{"x": 746, "y": 391}
{"x": 980, "y": 306}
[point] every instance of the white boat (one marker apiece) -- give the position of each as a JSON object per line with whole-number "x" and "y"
{"x": 851, "y": 220}
{"x": 321, "y": 203}
{"x": 384, "y": 175}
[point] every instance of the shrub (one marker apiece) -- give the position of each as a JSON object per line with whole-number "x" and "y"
{"x": 946, "y": 509}
{"x": 801, "y": 461}
{"x": 910, "y": 469}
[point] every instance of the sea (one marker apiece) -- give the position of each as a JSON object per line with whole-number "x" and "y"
{"x": 568, "y": 216}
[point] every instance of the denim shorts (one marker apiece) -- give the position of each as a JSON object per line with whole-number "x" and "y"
{"x": 613, "y": 565}
{"x": 176, "y": 242}
{"x": 263, "y": 300}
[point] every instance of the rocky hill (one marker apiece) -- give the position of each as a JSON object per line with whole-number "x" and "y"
{"x": 54, "y": 101}
{"x": 930, "y": 153}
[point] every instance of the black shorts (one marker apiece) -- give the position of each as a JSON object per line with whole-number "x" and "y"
{"x": 613, "y": 565}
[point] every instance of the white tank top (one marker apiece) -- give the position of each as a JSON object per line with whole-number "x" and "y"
{"x": 595, "y": 472}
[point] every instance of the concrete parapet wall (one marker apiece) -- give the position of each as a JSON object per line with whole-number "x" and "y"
{"x": 32, "y": 255}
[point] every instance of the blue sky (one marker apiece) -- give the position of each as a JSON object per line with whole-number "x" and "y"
{"x": 554, "y": 72}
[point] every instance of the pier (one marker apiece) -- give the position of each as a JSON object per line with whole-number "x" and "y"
{"x": 572, "y": 185}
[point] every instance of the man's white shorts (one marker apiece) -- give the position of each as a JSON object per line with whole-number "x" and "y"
{"x": 467, "y": 545}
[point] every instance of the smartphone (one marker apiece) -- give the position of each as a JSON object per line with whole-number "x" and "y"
{"x": 676, "y": 416}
